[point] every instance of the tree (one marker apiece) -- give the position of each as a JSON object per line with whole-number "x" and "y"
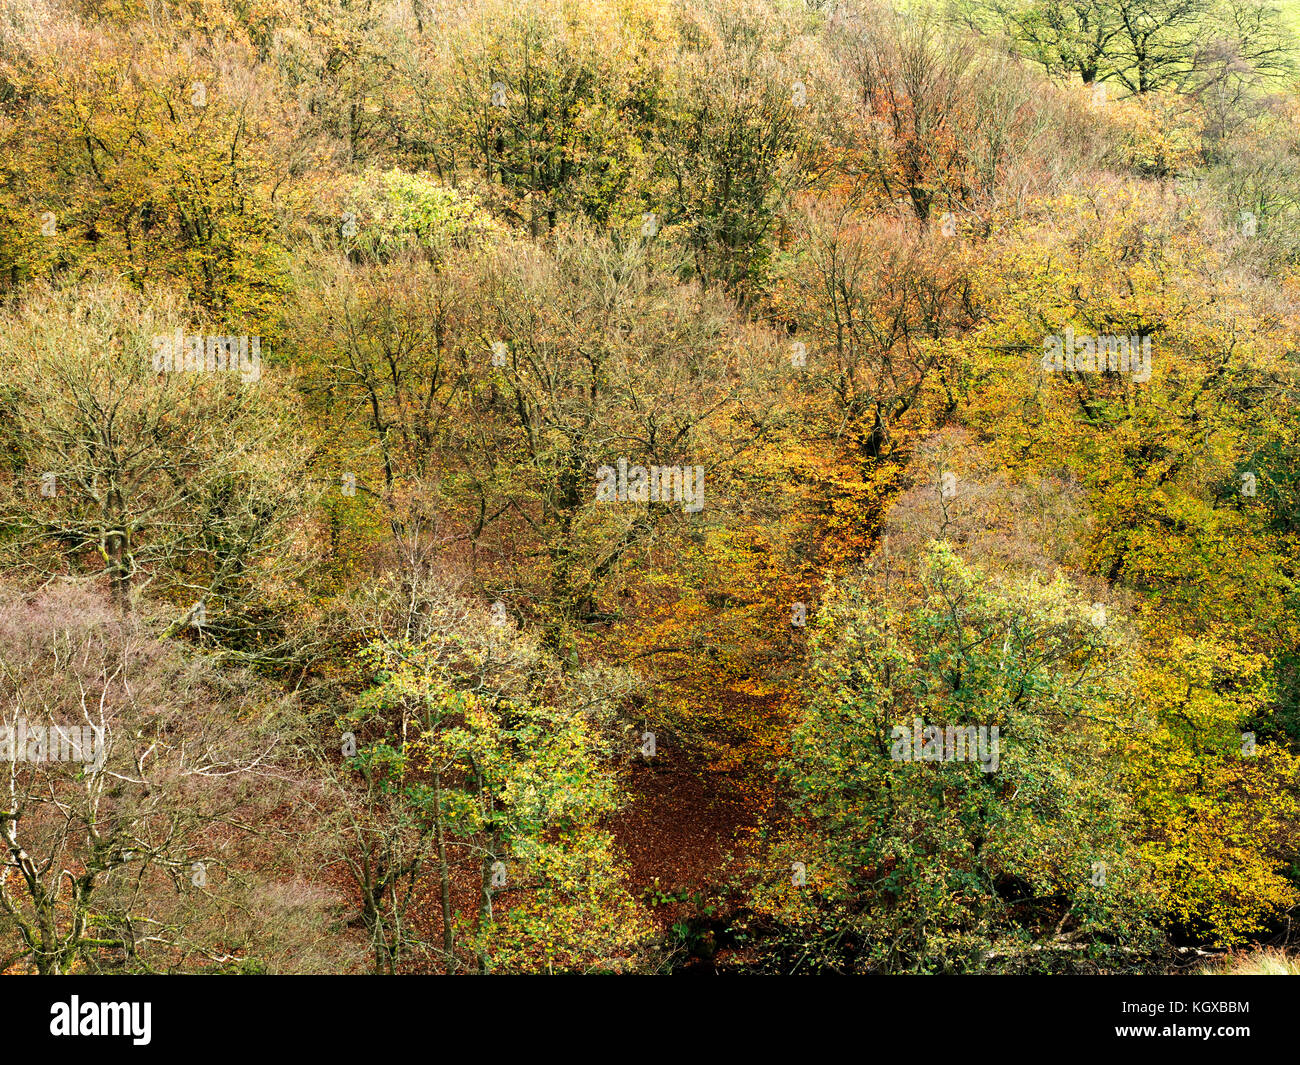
{"x": 551, "y": 103}
{"x": 123, "y": 470}
{"x": 580, "y": 327}
{"x": 1143, "y": 45}
{"x": 937, "y": 125}
{"x": 737, "y": 142}
{"x": 878, "y": 304}
{"x": 135, "y": 762}
{"x": 152, "y": 165}
{"x": 923, "y": 858}
{"x": 1067, "y": 37}
{"x": 474, "y": 753}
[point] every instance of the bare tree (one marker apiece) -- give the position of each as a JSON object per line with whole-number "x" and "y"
{"x": 125, "y": 768}
{"x": 128, "y": 472}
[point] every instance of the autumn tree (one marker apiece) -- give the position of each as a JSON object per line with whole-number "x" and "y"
{"x": 487, "y": 761}
{"x": 99, "y": 836}
{"x": 737, "y": 140}
{"x": 119, "y": 468}
{"x": 154, "y": 162}
{"x": 918, "y": 852}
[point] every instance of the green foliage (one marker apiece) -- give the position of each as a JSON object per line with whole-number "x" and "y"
{"x": 397, "y": 212}
{"x": 519, "y": 784}
{"x": 932, "y": 865}
{"x": 495, "y": 252}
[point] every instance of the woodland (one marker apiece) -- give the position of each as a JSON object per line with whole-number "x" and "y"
{"x": 649, "y": 486}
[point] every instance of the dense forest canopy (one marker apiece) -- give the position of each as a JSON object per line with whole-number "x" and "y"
{"x": 648, "y": 485}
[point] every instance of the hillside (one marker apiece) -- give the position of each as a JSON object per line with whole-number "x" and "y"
{"x": 741, "y": 486}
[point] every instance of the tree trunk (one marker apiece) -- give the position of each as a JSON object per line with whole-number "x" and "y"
{"x": 444, "y": 874}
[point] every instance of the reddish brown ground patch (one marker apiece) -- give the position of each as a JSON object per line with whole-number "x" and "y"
{"x": 678, "y": 828}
